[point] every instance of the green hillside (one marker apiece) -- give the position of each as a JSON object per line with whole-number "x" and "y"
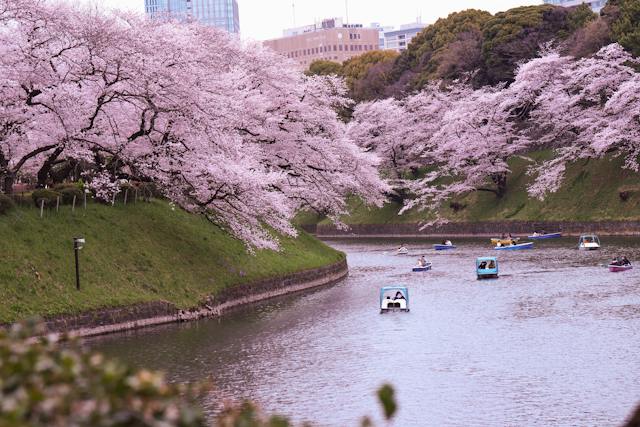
{"x": 591, "y": 192}
{"x": 134, "y": 253}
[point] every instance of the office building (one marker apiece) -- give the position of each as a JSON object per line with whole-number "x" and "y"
{"x": 398, "y": 40}
{"x": 216, "y": 13}
{"x": 381, "y": 31}
{"x": 330, "y": 39}
{"x": 596, "y": 5}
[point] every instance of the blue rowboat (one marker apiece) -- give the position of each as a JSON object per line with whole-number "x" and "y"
{"x": 443, "y": 247}
{"x": 519, "y": 246}
{"x": 425, "y": 268}
{"x": 545, "y": 236}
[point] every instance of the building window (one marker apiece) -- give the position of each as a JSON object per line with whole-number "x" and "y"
{"x": 335, "y": 48}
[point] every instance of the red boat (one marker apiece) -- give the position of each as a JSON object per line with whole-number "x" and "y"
{"x": 618, "y": 268}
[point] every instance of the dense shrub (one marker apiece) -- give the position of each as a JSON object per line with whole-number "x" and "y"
{"x": 44, "y": 384}
{"x": 624, "y": 16}
{"x": 69, "y": 193}
{"x": 68, "y": 190}
{"x": 322, "y": 67}
{"x": 6, "y": 204}
{"x": 50, "y": 197}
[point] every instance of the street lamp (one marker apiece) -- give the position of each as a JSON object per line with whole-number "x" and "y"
{"x": 78, "y": 243}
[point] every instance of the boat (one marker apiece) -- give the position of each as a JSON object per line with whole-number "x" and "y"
{"x": 619, "y": 268}
{"x": 419, "y": 268}
{"x": 440, "y": 247}
{"x": 589, "y": 242}
{"x": 536, "y": 236}
{"x": 487, "y": 268}
{"x": 505, "y": 241}
{"x": 516, "y": 247}
{"x": 394, "y": 298}
{"x": 402, "y": 251}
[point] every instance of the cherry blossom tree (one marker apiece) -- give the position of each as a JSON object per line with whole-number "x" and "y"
{"x": 459, "y": 137}
{"x": 225, "y": 129}
{"x": 463, "y": 138}
{"x": 591, "y": 109}
{"x": 470, "y": 149}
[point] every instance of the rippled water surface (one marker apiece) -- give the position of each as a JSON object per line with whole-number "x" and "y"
{"x": 554, "y": 342}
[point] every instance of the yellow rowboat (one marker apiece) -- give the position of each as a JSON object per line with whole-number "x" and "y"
{"x": 504, "y": 242}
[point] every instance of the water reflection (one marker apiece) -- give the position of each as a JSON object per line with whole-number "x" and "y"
{"x": 554, "y": 341}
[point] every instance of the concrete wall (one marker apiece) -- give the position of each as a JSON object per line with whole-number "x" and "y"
{"x": 119, "y": 319}
{"x": 480, "y": 229}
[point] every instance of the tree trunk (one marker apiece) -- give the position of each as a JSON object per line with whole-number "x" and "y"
{"x": 45, "y": 170}
{"x": 8, "y": 181}
{"x": 500, "y": 180}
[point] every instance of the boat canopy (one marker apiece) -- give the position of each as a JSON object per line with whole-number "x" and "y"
{"x": 487, "y": 265}
{"x": 392, "y": 291}
{"x": 589, "y": 238}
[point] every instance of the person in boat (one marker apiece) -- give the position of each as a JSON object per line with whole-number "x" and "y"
{"x": 503, "y": 236}
{"x": 422, "y": 261}
{"x": 448, "y": 243}
{"x": 399, "y": 295}
{"x": 625, "y": 261}
{"x": 483, "y": 265}
{"x": 616, "y": 261}
{"x": 536, "y": 234}
{"x": 492, "y": 264}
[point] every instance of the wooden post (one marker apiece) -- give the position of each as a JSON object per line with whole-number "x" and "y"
{"x": 113, "y": 200}
{"x": 85, "y": 200}
{"x": 58, "y": 204}
{"x": 126, "y": 194}
{"x": 135, "y": 200}
{"x": 73, "y": 204}
{"x": 41, "y": 207}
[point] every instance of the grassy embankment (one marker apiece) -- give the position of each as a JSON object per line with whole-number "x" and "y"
{"x": 590, "y": 193}
{"x": 134, "y": 253}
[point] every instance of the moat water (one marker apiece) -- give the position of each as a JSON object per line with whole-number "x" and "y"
{"x": 555, "y": 341}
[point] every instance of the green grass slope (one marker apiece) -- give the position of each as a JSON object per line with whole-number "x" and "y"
{"x": 134, "y": 253}
{"x": 590, "y": 193}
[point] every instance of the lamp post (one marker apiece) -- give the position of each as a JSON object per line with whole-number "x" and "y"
{"x": 78, "y": 243}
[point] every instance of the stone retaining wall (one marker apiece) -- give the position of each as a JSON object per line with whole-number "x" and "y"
{"x": 483, "y": 229}
{"x": 119, "y": 319}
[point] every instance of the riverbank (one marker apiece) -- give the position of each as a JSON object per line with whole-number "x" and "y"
{"x": 148, "y": 258}
{"x": 598, "y": 196}
{"x": 107, "y": 321}
{"x": 478, "y": 229}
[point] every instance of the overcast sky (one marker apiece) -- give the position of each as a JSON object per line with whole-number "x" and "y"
{"x": 264, "y": 19}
